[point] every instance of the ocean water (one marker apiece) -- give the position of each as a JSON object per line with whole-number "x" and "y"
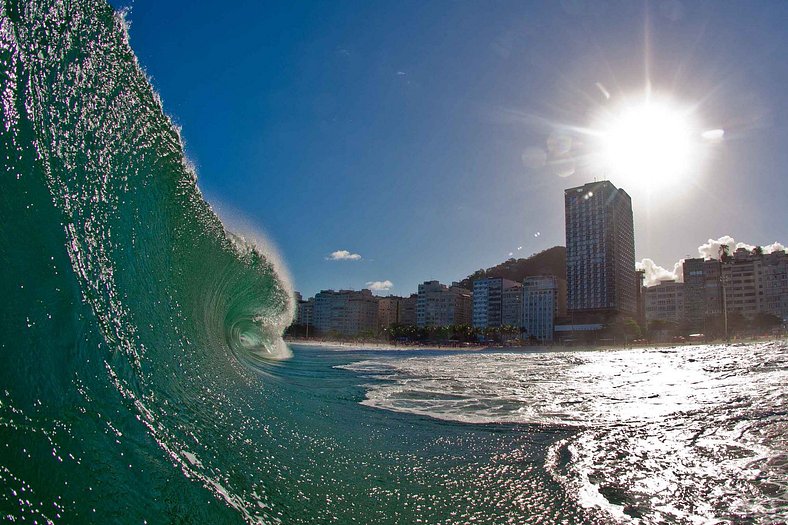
{"x": 660, "y": 435}
{"x": 143, "y": 378}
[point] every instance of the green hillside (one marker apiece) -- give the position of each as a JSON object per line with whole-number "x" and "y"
{"x": 549, "y": 262}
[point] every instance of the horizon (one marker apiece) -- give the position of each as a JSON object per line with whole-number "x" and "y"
{"x": 373, "y": 144}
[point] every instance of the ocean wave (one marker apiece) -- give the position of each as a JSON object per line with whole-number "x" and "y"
{"x": 131, "y": 309}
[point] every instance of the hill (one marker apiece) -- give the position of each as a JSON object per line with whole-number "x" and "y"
{"x": 549, "y": 262}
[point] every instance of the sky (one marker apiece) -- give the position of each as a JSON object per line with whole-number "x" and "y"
{"x": 382, "y": 144}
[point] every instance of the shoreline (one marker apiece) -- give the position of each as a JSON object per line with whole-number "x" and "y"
{"x": 381, "y": 346}
{"x": 355, "y": 345}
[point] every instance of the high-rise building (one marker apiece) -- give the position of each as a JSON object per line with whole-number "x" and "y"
{"x": 600, "y": 252}
{"x": 540, "y": 306}
{"x": 390, "y": 310}
{"x": 305, "y": 311}
{"x": 702, "y": 293}
{"x": 756, "y": 283}
{"x": 774, "y": 279}
{"x": 441, "y": 305}
{"x": 640, "y": 297}
{"x": 408, "y": 310}
{"x": 346, "y": 312}
{"x": 488, "y": 301}
{"x": 512, "y": 306}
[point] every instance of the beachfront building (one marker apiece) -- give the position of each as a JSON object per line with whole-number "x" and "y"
{"x": 640, "y": 297}
{"x": 441, "y": 305}
{"x": 407, "y": 314}
{"x": 304, "y": 311}
{"x": 600, "y": 252}
{"x": 665, "y": 302}
{"x": 702, "y": 293}
{"x": 345, "y": 313}
{"x": 512, "y": 306}
{"x": 541, "y": 305}
{"x": 774, "y": 279}
{"x": 740, "y": 277}
{"x": 390, "y": 310}
{"x": 755, "y": 283}
{"x": 488, "y": 301}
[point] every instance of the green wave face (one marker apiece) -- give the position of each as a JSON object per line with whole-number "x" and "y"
{"x": 131, "y": 317}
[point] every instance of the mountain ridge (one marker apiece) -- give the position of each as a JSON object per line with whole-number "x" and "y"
{"x": 551, "y": 261}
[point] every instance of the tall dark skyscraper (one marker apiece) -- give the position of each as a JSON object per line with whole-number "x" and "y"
{"x": 600, "y": 252}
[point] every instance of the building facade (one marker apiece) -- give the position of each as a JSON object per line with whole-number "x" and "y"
{"x": 305, "y": 312}
{"x": 702, "y": 293}
{"x": 756, "y": 283}
{"x": 488, "y": 301}
{"x": 665, "y": 302}
{"x": 441, "y": 305}
{"x": 512, "y": 306}
{"x": 600, "y": 251}
{"x": 540, "y": 307}
{"x": 408, "y": 310}
{"x": 389, "y": 310}
{"x": 774, "y": 279}
{"x": 346, "y": 312}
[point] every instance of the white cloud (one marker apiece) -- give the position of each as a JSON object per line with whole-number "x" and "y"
{"x": 380, "y": 286}
{"x": 708, "y": 250}
{"x": 774, "y": 247}
{"x": 343, "y": 255}
{"x": 656, "y": 273}
{"x": 711, "y": 249}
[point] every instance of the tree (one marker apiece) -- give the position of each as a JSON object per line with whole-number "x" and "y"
{"x": 462, "y": 332}
{"x": 624, "y": 327}
{"x": 766, "y": 321}
{"x": 724, "y": 252}
{"x": 713, "y": 326}
{"x": 736, "y": 321}
{"x": 296, "y": 330}
{"x": 510, "y": 331}
{"x": 757, "y": 251}
{"x": 659, "y": 325}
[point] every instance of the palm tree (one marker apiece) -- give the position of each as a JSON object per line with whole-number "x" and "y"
{"x": 724, "y": 252}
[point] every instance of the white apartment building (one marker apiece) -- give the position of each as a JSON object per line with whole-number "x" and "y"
{"x": 540, "y": 306}
{"x": 346, "y": 312}
{"x": 665, "y": 302}
{"x": 441, "y": 305}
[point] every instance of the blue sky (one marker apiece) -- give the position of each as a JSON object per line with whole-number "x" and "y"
{"x": 396, "y": 130}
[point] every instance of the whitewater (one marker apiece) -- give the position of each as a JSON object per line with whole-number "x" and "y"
{"x": 143, "y": 377}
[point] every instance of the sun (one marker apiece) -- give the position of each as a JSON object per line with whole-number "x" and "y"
{"x": 648, "y": 144}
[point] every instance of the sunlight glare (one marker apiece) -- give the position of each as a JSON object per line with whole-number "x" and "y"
{"x": 648, "y": 145}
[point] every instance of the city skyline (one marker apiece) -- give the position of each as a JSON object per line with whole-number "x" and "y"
{"x": 358, "y": 136}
